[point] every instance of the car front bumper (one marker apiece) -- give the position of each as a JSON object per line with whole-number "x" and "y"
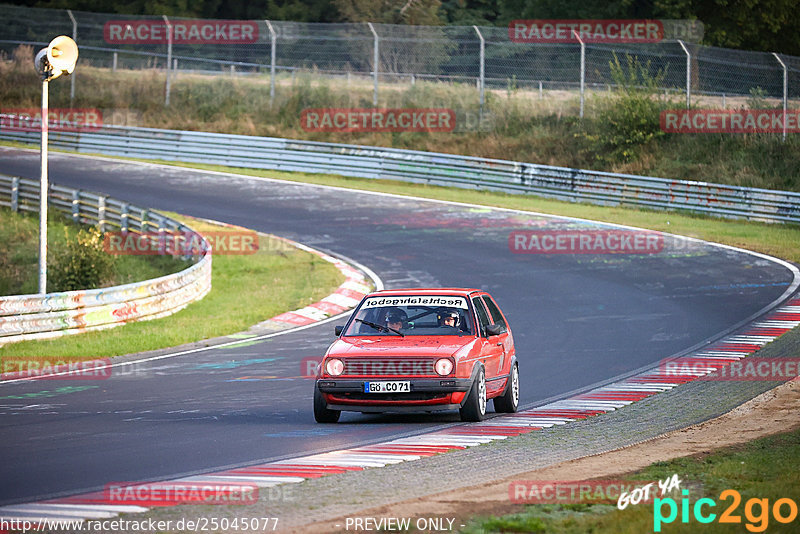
{"x": 429, "y": 394}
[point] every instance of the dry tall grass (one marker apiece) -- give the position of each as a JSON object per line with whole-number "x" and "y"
{"x": 518, "y": 124}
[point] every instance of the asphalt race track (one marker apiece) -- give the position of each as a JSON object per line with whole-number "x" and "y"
{"x": 578, "y": 320}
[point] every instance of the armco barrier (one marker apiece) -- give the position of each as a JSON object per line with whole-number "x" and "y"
{"x": 562, "y": 183}
{"x": 43, "y": 316}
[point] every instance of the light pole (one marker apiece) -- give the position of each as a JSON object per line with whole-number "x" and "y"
{"x": 58, "y": 58}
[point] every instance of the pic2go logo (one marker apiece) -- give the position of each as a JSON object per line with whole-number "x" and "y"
{"x": 756, "y": 511}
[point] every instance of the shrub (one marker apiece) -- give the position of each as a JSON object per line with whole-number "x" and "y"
{"x": 81, "y": 263}
{"x": 757, "y": 98}
{"x": 631, "y": 117}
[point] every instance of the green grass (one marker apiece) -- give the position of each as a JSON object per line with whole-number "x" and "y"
{"x": 762, "y": 469}
{"x": 246, "y": 289}
{"x": 19, "y": 254}
{"x": 780, "y": 240}
{"x": 251, "y": 302}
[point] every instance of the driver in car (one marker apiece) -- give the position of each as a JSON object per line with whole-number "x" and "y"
{"x": 395, "y": 319}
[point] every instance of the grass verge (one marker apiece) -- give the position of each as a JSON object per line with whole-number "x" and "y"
{"x": 246, "y": 289}
{"x": 514, "y": 123}
{"x": 780, "y": 240}
{"x": 764, "y": 469}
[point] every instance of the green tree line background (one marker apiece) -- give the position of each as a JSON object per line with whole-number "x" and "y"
{"x": 766, "y": 25}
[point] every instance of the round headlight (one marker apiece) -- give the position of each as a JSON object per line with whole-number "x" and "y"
{"x": 443, "y": 366}
{"x": 334, "y": 367}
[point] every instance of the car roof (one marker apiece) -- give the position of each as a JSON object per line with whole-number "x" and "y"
{"x": 465, "y": 292}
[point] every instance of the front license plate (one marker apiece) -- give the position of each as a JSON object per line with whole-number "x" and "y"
{"x": 387, "y": 387}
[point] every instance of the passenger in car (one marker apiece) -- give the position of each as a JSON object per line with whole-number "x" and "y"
{"x": 449, "y": 319}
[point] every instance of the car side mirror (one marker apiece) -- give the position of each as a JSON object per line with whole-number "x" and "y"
{"x": 494, "y": 329}
{"x": 338, "y": 330}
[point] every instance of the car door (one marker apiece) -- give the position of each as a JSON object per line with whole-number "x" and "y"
{"x": 491, "y": 347}
{"x": 504, "y": 338}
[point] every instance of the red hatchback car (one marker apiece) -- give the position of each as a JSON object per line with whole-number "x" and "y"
{"x": 420, "y": 350}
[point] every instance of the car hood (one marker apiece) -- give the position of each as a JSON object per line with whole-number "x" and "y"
{"x": 400, "y": 346}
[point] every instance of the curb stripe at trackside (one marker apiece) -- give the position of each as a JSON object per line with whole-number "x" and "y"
{"x": 595, "y": 402}
{"x": 95, "y": 505}
{"x": 588, "y": 404}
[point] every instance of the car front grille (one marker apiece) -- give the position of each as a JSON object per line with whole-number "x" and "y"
{"x": 388, "y": 367}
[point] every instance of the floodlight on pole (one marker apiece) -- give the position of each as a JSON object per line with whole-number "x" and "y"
{"x": 57, "y": 59}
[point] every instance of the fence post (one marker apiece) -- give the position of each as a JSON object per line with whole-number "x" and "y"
{"x": 482, "y": 79}
{"x": 74, "y": 38}
{"x": 101, "y": 213}
{"x": 688, "y": 74}
{"x": 76, "y": 205}
{"x": 374, "y": 65}
{"x": 123, "y": 218}
{"x": 583, "y": 67}
{"x": 785, "y": 91}
{"x": 169, "y": 57}
{"x": 273, "y": 39}
{"x": 15, "y": 194}
{"x": 114, "y": 63}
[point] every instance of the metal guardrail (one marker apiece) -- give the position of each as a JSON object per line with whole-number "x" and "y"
{"x": 561, "y": 183}
{"x": 55, "y": 314}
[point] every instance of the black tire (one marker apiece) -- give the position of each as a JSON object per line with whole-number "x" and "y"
{"x": 474, "y": 409}
{"x": 508, "y": 402}
{"x": 321, "y": 412}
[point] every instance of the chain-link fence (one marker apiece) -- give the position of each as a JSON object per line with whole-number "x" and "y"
{"x": 390, "y": 55}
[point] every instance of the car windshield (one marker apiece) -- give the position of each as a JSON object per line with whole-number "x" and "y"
{"x": 412, "y": 315}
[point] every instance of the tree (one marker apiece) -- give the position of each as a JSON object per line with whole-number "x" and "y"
{"x": 470, "y": 12}
{"x": 765, "y": 25}
{"x": 416, "y": 12}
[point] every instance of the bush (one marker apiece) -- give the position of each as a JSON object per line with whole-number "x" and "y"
{"x": 631, "y": 117}
{"x": 757, "y": 98}
{"x": 82, "y": 263}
